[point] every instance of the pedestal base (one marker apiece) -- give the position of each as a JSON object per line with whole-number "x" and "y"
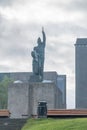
{"x": 47, "y": 92}
{"x": 23, "y": 98}
{"x": 35, "y": 78}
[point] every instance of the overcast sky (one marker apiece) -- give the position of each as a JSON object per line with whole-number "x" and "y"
{"x": 21, "y": 22}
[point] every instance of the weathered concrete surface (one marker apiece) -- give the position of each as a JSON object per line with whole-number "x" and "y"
{"x": 23, "y": 98}
{"x": 18, "y": 100}
{"x": 48, "y": 92}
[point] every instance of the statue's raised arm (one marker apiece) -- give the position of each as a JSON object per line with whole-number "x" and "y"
{"x": 44, "y": 37}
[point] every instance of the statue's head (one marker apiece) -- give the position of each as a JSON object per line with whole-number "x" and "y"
{"x": 39, "y": 40}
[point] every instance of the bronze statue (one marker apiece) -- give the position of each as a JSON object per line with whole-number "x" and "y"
{"x": 38, "y": 57}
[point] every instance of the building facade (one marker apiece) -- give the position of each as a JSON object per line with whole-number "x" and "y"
{"x": 81, "y": 73}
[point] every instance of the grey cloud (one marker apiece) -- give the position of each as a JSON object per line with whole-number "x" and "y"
{"x": 16, "y": 39}
{"x": 63, "y": 58}
{"x": 65, "y": 28}
{"x": 60, "y": 54}
{"x": 6, "y": 2}
{"x": 9, "y": 40}
{"x": 80, "y": 5}
{"x": 73, "y": 5}
{"x": 4, "y": 68}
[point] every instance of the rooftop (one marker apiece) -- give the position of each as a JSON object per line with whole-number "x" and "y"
{"x": 81, "y": 41}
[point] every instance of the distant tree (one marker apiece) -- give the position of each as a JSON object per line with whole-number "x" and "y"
{"x": 4, "y": 92}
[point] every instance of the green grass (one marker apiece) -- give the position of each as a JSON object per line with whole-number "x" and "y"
{"x": 56, "y": 124}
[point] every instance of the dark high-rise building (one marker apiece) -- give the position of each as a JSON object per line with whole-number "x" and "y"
{"x": 81, "y": 73}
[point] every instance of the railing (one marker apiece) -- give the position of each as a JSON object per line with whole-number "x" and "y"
{"x": 4, "y": 113}
{"x": 67, "y": 112}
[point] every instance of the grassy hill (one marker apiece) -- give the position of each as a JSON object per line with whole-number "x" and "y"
{"x": 56, "y": 124}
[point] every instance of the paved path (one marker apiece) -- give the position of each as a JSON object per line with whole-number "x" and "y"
{"x": 11, "y": 124}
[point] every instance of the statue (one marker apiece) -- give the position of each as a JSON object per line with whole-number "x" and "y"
{"x": 38, "y": 57}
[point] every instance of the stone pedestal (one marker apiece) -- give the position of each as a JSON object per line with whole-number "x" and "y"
{"x": 18, "y": 100}
{"x": 23, "y": 98}
{"x": 47, "y": 92}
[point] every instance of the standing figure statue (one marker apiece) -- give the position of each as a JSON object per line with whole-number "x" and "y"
{"x": 38, "y": 57}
